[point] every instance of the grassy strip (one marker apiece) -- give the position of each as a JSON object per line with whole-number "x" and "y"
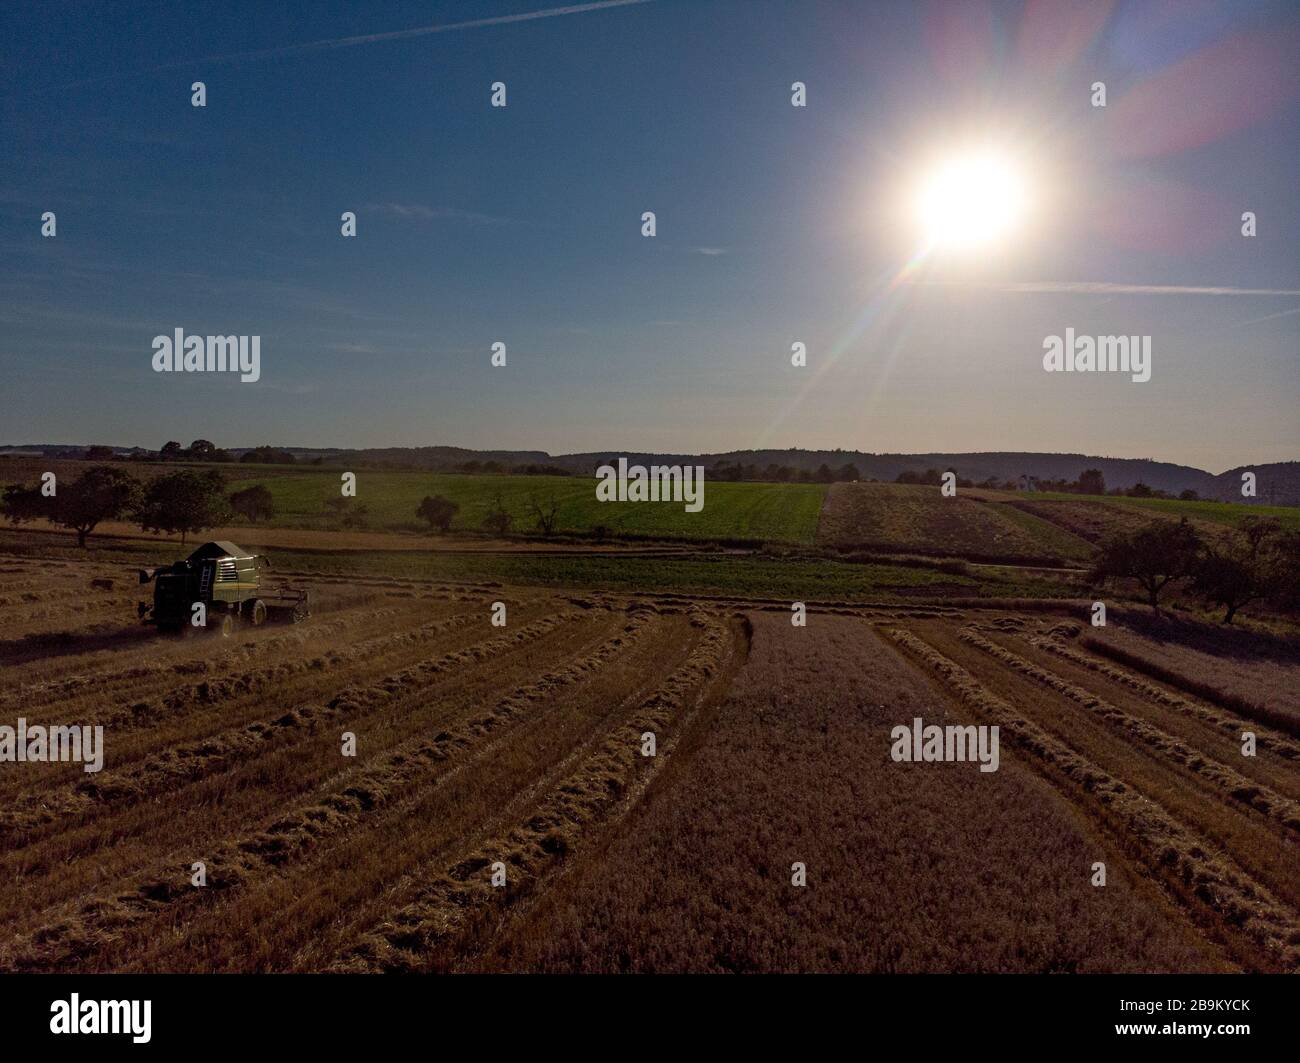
{"x": 747, "y": 575}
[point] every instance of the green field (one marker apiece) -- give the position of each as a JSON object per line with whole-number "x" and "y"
{"x": 744, "y": 575}
{"x": 770, "y": 512}
{"x": 1055, "y": 540}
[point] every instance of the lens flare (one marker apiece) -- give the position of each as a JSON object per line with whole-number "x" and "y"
{"x": 971, "y": 202}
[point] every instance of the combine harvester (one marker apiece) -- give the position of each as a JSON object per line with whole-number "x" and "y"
{"x": 227, "y": 583}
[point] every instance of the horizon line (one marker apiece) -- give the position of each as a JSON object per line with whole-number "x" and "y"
{"x": 683, "y": 453}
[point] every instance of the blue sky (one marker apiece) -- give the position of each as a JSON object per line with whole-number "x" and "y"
{"x": 522, "y": 225}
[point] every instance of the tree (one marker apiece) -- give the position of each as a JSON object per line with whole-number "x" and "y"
{"x": 22, "y": 504}
{"x": 498, "y": 519}
{"x": 1230, "y": 578}
{"x": 848, "y": 473}
{"x": 254, "y": 503}
{"x": 266, "y": 455}
{"x": 171, "y": 451}
{"x": 1257, "y": 533}
{"x": 1260, "y": 561}
{"x": 1092, "y": 482}
{"x": 202, "y": 450}
{"x": 1283, "y": 568}
{"x": 545, "y": 515}
{"x": 185, "y": 501}
{"x": 348, "y": 513}
{"x": 100, "y": 493}
{"x": 438, "y": 511}
{"x": 99, "y": 453}
{"x": 1154, "y": 555}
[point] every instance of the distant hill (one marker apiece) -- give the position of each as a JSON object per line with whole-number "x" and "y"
{"x": 415, "y": 457}
{"x": 1277, "y": 483}
{"x": 412, "y": 457}
{"x": 1006, "y": 465}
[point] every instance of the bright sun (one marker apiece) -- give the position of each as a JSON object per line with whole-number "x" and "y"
{"x": 973, "y": 201}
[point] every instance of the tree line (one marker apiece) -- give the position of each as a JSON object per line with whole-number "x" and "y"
{"x": 1090, "y": 482}
{"x": 200, "y": 450}
{"x": 186, "y": 501}
{"x": 734, "y": 472}
{"x": 203, "y": 450}
{"x": 189, "y": 501}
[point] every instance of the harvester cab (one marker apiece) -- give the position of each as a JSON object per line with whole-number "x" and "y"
{"x": 229, "y": 586}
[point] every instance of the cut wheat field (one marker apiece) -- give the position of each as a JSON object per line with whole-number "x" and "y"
{"x": 500, "y": 812}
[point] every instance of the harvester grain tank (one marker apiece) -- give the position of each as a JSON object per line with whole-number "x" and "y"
{"x": 230, "y": 584}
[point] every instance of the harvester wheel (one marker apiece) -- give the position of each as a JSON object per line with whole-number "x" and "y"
{"x": 226, "y": 625}
{"x": 258, "y": 613}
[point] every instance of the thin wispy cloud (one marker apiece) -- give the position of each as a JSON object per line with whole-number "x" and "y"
{"x": 710, "y": 251}
{"x": 374, "y": 38}
{"x": 1105, "y": 288}
{"x": 420, "y": 212}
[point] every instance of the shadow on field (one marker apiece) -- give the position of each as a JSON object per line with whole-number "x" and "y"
{"x": 1215, "y": 640}
{"x": 48, "y": 644}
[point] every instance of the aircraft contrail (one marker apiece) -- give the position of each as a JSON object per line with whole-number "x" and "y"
{"x": 372, "y": 38}
{"x": 1269, "y": 317}
{"x": 417, "y": 31}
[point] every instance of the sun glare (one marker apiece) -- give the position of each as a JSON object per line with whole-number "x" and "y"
{"x": 973, "y": 201}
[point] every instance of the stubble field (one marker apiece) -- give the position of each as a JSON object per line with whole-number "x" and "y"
{"x": 484, "y": 750}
